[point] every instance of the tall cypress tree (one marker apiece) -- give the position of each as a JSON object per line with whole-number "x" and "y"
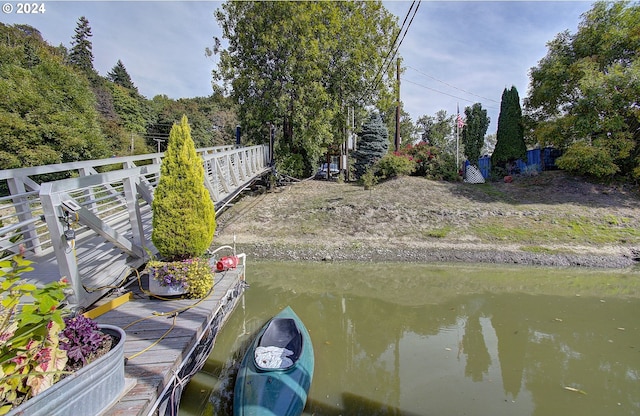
{"x": 373, "y": 144}
{"x": 183, "y": 212}
{"x": 81, "y": 54}
{"x": 510, "y": 144}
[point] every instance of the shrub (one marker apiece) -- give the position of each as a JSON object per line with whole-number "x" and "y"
{"x": 587, "y": 160}
{"x": 183, "y": 213}
{"x": 422, "y": 154}
{"x": 369, "y": 179}
{"x": 395, "y": 164}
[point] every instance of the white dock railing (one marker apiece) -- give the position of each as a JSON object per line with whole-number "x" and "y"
{"x": 95, "y": 228}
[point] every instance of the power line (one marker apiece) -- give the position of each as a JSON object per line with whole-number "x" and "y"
{"x": 397, "y": 48}
{"x": 385, "y": 64}
{"x": 452, "y": 86}
{"x": 444, "y": 93}
{"x": 393, "y": 50}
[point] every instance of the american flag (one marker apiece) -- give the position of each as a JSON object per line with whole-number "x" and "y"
{"x": 459, "y": 119}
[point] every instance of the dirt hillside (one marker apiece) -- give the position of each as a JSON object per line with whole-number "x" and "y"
{"x": 548, "y": 219}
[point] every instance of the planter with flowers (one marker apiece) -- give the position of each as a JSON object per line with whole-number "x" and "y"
{"x": 50, "y": 364}
{"x": 190, "y": 277}
{"x": 183, "y": 221}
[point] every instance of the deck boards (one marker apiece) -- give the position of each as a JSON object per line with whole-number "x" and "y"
{"x": 153, "y": 364}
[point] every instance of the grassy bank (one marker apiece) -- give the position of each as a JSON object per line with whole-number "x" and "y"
{"x": 547, "y": 214}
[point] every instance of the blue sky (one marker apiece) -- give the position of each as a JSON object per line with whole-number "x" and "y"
{"x": 455, "y": 52}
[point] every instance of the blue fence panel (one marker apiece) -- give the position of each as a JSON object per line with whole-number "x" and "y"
{"x": 484, "y": 165}
{"x": 533, "y": 159}
{"x": 542, "y": 159}
{"x": 549, "y": 158}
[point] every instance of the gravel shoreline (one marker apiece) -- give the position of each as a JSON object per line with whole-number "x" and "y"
{"x": 263, "y": 251}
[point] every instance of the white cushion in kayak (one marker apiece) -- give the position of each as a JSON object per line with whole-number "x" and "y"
{"x": 273, "y": 357}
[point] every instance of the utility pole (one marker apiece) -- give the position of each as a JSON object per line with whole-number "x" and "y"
{"x": 397, "y": 139}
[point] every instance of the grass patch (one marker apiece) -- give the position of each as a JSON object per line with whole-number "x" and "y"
{"x": 561, "y": 230}
{"x": 440, "y": 232}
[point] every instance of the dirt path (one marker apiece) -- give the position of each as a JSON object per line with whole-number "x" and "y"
{"x": 549, "y": 219}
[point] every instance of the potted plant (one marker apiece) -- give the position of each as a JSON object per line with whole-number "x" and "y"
{"x": 190, "y": 276}
{"x": 183, "y": 220}
{"x": 48, "y": 363}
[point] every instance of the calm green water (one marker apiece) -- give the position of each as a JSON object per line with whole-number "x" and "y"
{"x": 433, "y": 339}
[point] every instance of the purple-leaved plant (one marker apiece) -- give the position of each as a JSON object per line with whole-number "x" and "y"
{"x": 81, "y": 337}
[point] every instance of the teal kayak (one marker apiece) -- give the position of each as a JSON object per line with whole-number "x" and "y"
{"x": 275, "y": 374}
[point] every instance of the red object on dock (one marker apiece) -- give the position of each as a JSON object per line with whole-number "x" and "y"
{"x": 226, "y": 263}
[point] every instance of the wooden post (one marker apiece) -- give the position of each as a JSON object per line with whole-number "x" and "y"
{"x": 397, "y": 138}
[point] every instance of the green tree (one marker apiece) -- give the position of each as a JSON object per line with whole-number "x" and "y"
{"x": 81, "y": 53}
{"x": 47, "y": 112}
{"x": 130, "y": 108}
{"x": 119, "y": 75}
{"x": 373, "y": 144}
{"x": 212, "y": 119}
{"x": 437, "y": 131}
{"x": 510, "y": 144}
{"x": 183, "y": 212}
{"x": 300, "y": 66}
{"x": 584, "y": 93}
{"x": 476, "y": 125}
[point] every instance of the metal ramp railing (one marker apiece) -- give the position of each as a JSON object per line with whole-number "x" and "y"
{"x": 95, "y": 228}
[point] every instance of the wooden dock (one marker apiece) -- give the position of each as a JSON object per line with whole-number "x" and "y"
{"x": 167, "y": 341}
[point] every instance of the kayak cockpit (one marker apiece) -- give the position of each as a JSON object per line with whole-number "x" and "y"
{"x": 279, "y": 346}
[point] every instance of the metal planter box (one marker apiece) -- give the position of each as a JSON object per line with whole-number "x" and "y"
{"x": 87, "y": 392}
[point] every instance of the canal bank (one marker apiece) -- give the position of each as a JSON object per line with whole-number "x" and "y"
{"x": 552, "y": 219}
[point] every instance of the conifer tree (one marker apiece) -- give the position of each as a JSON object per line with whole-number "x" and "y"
{"x": 510, "y": 144}
{"x": 119, "y": 75}
{"x": 373, "y": 144}
{"x": 183, "y": 212}
{"x": 81, "y": 54}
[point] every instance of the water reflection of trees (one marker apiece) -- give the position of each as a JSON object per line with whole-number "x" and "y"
{"x": 538, "y": 344}
{"x": 543, "y": 344}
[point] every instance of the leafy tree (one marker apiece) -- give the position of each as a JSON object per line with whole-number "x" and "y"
{"x": 47, "y": 112}
{"x": 584, "y": 93}
{"x": 437, "y": 130}
{"x": 373, "y": 144}
{"x": 473, "y": 131}
{"x": 81, "y": 54}
{"x": 510, "y": 136}
{"x": 302, "y": 73}
{"x": 119, "y": 75}
{"x": 183, "y": 212}
{"x": 212, "y": 119}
